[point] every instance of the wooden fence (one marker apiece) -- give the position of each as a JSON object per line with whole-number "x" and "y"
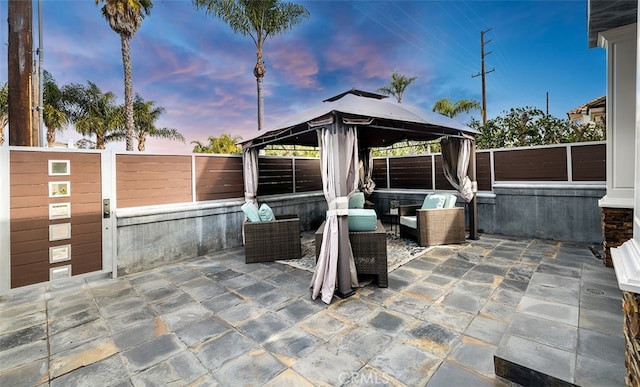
{"x": 143, "y": 180}
{"x": 570, "y": 163}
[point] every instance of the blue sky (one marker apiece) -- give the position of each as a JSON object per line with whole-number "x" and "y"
{"x": 201, "y": 73}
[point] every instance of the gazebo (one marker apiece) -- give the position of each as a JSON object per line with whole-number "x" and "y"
{"x": 345, "y": 128}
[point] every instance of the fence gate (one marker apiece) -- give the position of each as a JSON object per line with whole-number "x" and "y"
{"x": 59, "y": 215}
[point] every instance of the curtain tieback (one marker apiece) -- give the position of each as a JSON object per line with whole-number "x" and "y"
{"x": 339, "y": 206}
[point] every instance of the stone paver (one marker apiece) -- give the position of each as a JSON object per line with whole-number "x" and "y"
{"x": 569, "y": 317}
{"x": 214, "y": 320}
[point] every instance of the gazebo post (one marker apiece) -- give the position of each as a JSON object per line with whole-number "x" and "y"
{"x": 473, "y": 204}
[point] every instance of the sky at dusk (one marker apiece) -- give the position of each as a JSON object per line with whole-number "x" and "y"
{"x": 195, "y": 67}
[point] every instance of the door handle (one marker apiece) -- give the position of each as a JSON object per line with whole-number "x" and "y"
{"x": 106, "y": 208}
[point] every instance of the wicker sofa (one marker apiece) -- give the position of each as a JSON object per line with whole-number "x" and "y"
{"x": 268, "y": 241}
{"x": 434, "y": 226}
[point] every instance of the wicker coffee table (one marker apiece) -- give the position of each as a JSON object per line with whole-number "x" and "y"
{"x": 369, "y": 252}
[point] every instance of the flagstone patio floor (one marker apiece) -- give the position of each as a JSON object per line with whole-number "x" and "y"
{"x": 214, "y": 320}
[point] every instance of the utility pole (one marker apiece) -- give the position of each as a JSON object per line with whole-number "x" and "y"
{"x": 547, "y": 103}
{"x": 19, "y": 60}
{"x": 482, "y": 73}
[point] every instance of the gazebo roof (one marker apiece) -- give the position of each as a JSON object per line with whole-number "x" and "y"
{"x": 380, "y": 123}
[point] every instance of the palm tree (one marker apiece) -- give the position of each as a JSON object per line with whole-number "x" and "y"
{"x": 225, "y": 144}
{"x": 4, "y": 110}
{"x": 55, "y": 117}
{"x": 125, "y": 17}
{"x": 93, "y": 112}
{"x": 146, "y": 114}
{"x": 258, "y": 19}
{"x": 397, "y": 86}
{"x": 446, "y": 108}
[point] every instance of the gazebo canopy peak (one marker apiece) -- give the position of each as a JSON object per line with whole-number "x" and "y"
{"x": 354, "y": 91}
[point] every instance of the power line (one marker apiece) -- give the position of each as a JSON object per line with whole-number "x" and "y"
{"x": 483, "y": 73}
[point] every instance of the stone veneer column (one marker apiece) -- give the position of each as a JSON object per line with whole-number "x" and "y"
{"x": 617, "y": 228}
{"x": 631, "y": 310}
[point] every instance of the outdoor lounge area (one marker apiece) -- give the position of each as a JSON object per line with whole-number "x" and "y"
{"x": 215, "y": 320}
{"x": 539, "y": 283}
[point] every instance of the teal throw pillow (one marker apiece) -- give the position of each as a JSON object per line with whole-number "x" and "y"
{"x": 251, "y": 211}
{"x": 356, "y": 200}
{"x": 451, "y": 201}
{"x": 434, "y": 201}
{"x": 266, "y": 213}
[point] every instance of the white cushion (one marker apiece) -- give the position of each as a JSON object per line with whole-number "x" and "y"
{"x": 409, "y": 221}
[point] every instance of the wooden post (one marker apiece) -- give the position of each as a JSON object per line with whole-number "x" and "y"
{"x": 19, "y": 63}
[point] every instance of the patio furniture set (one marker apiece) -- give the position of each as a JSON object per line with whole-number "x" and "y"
{"x": 434, "y": 222}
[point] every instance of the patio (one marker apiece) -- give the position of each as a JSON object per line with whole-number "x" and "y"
{"x": 216, "y": 320}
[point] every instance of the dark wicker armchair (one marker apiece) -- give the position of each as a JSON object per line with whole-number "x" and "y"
{"x": 439, "y": 226}
{"x": 369, "y": 252}
{"x": 271, "y": 241}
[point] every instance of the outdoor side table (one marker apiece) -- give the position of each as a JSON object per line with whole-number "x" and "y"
{"x": 394, "y": 220}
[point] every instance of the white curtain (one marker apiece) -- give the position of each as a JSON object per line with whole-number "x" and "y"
{"x": 250, "y": 169}
{"x": 456, "y": 153}
{"x": 335, "y": 231}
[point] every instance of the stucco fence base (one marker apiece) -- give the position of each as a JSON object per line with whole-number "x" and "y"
{"x": 543, "y": 211}
{"x": 148, "y": 237}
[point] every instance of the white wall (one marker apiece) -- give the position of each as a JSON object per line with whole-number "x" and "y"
{"x": 626, "y": 258}
{"x": 621, "y": 46}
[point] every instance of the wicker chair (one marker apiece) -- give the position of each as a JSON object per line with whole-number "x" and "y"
{"x": 369, "y": 252}
{"x": 271, "y": 241}
{"x": 438, "y": 226}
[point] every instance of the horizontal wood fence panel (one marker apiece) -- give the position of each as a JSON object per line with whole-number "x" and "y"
{"x": 379, "y": 173}
{"x": 589, "y": 162}
{"x": 441, "y": 181}
{"x": 144, "y": 180}
{"x": 308, "y": 176}
{"x": 410, "y": 172}
{"x": 153, "y": 163}
{"x": 157, "y": 195}
{"x": 85, "y": 267}
{"x": 218, "y": 178}
{"x": 275, "y": 176}
{"x": 42, "y": 245}
{"x": 23, "y": 276}
{"x": 178, "y": 183}
{"x": 538, "y": 164}
{"x": 23, "y": 238}
{"x": 483, "y": 171}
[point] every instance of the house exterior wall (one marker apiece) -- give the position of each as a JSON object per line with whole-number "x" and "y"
{"x": 623, "y": 177}
{"x": 620, "y": 44}
{"x": 618, "y": 204}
